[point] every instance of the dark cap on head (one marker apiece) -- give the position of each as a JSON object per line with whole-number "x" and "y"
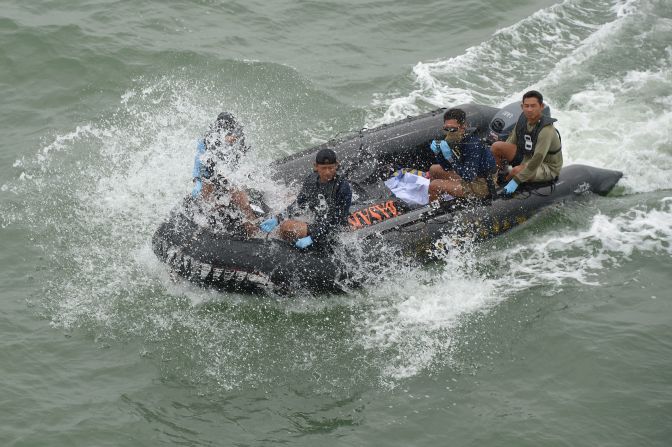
{"x": 226, "y": 120}
{"x": 325, "y": 157}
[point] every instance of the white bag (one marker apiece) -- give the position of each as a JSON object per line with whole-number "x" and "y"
{"x": 410, "y": 188}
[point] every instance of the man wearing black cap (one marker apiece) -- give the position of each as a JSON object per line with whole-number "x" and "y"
{"x": 221, "y": 149}
{"x": 324, "y": 193}
{"x": 223, "y": 144}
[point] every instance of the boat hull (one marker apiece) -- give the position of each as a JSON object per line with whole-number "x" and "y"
{"x": 268, "y": 264}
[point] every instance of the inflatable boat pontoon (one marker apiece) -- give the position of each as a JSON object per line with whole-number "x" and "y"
{"x": 378, "y": 220}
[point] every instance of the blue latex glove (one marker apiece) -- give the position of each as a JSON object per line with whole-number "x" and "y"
{"x": 511, "y": 187}
{"x": 445, "y": 150}
{"x": 198, "y": 185}
{"x": 304, "y": 242}
{"x": 268, "y": 225}
{"x": 434, "y": 147}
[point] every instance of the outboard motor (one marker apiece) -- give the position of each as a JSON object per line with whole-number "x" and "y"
{"x": 505, "y": 120}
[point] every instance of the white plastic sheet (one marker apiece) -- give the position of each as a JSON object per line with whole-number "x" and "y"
{"x": 410, "y": 188}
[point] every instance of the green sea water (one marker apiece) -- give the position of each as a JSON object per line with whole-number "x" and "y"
{"x": 556, "y": 334}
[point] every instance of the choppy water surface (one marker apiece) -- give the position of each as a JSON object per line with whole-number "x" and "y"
{"x": 555, "y": 334}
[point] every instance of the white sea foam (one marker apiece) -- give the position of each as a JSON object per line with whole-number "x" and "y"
{"x": 141, "y": 160}
{"x": 610, "y": 115}
{"x": 123, "y": 171}
{"x": 501, "y": 68}
{"x": 614, "y": 117}
{"x": 413, "y": 317}
{"x": 414, "y": 312}
{"x": 581, "y": 255}
{"x": 415, "y": 321}
{"x": 606, "y": 126}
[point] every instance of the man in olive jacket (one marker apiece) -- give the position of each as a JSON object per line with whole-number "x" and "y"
{"x": 534, "y": 148}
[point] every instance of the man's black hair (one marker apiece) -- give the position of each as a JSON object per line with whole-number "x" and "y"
{"x": 534, "y": 94}
{"x": 455, "y": 114}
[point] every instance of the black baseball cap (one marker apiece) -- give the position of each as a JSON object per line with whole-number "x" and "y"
{"x": 226, "y": 120}
{"x": 325, "y": 157}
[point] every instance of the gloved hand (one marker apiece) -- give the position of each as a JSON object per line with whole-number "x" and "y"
{"x": 304, "y": 242}
{"x": 198, "y": 185}
{"x": 434, "y": 147}
{"x": 268, "y": 225}
{"x": 445, "y": 150}
{"x": 511, "y": 187}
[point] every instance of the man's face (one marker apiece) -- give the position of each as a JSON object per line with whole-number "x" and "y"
{"x": 532, "y": 109}
{"x": 326, "y": 171}
{"x": 453, "y": 130}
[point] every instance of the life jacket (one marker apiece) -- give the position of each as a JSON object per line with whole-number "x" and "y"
{"x": 526, "y": 141}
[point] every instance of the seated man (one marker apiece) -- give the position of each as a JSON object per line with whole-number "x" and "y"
{"x": 326, "y": 195}
{"x": 465, "y": 167}
{"x": 533, "y": 149}
{"x": 221, "y": 149}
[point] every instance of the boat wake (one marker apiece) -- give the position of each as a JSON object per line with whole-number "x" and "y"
{"x": 91, "y": 198}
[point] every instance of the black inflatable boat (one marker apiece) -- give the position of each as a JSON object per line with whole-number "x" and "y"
{"x": 378, "y": 223}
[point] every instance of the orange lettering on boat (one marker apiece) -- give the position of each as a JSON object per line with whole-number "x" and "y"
{"x": 391, "y": 208}
{"x": 372, "y": 214}
{"x": 382, "y": 209}
{"x": 365, "y": 217}
{"x": 354, "y": 222}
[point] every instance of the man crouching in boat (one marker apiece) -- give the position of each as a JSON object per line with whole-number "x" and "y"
{"x": 324, "y": 193}
{"x": 465, "y": 167}
{"x": 533, "y": 148}
{"x": 224, "y": 207}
